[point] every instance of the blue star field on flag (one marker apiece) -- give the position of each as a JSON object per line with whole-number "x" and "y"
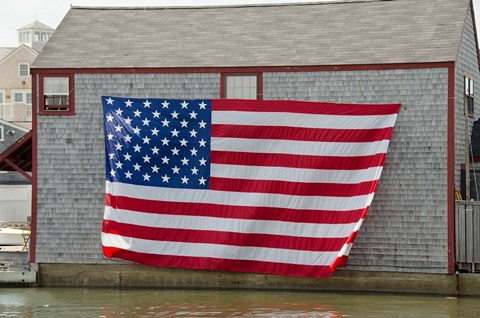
{"x": 158, "y": 142}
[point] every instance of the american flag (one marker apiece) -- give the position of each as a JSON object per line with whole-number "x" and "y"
{"x": 272, "y": 187}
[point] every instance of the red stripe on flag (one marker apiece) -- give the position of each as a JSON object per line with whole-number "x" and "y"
{"x": 293, "y": 188}
{"x": 304, "y": 107}
{"x": 304, "y": 134}
{"x": 297, "y": 161}
{"x": 352, "y": 237}
{"x": 219, "y": 264}
{"x": 223, "y": 238}
{"x": 234, "y": 212}
{"x": 340, "y": 261}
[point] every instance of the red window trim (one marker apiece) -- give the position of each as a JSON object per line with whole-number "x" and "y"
{"x": 223, "y": 83}
{"x": 71, "y": 96}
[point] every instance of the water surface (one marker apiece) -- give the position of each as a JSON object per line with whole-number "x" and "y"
{"x": 73, "y": 302}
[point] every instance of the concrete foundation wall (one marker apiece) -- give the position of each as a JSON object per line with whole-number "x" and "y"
{"x": 135, "y": 276}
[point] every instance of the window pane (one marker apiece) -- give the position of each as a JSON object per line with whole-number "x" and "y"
{"x": 55, "y": 85}
{"x": 471, "y": 106}
{"x": 29, "y": 98}
{"x": 56, "y": 93}
{"x": 25, "y": 37}
{"x": 238, "y": 92}
{"x": 56, "y": 100}
{"x": 24, "y": 71}
{"x": 18, "y": 97}
{"x": 241, "y": 87}
{"x": 471, "y": 87}
{"x": 1, "y": 98}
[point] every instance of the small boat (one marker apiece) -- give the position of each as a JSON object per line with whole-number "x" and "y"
{"x": 13, "y": 237}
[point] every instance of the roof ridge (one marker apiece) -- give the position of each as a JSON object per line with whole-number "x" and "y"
{"x": 253, "y": 5}
{"x": 15, "y": 49}
{"x": 35, "y": 24}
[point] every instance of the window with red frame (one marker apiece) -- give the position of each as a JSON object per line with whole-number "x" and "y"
{"x": 242, "y": 86}
{"x": 57, "y": 94}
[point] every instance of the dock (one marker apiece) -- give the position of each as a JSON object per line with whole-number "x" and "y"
{"x": 15, "y": 269}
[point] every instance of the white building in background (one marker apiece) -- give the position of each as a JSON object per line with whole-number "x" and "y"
{"x": 16, "y": 85}
{"x": 15, "y": 78}
{"x": 16, "y": 122}
{"x": 34, "y": 35}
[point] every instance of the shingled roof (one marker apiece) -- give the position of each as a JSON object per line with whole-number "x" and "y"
{"x": 329, "y": 33}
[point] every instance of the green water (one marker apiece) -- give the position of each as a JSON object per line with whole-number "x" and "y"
{"x": 72, "y": 302}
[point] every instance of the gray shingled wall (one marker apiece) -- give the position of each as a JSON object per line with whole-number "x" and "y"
{"x": 406, "y": 227}
{"x": 466, "y": 63}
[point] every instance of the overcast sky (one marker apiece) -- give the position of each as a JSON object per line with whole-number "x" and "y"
{"x": 17, "y": 13}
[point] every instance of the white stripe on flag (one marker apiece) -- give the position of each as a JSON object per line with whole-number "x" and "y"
{"x": 295, "y": 174}
{"x": 239, "y": 198}
{"x": 205, "y": 223}
{"x": 295, "y": 147}
{"x": 345, "y": 250}
{"x": 303, "y": 120}
{"x": 358, "y": 226}
{"x": 264, "y": 254}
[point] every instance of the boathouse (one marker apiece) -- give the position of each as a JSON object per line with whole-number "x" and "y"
{"x": 420, "y": 54}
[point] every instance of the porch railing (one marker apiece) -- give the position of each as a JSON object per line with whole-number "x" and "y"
{"x": 16, "y": 112}
{"x": 467, "y": 235}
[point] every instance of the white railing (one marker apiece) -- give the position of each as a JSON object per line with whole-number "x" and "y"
{"x": 28, "y": 116}
{"x": 6, "y": 112}
{"x": 467, "y": 235}
{"x": 16, "y": 112}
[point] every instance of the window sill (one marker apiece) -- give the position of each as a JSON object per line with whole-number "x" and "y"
{"x": 55, "y": 113}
